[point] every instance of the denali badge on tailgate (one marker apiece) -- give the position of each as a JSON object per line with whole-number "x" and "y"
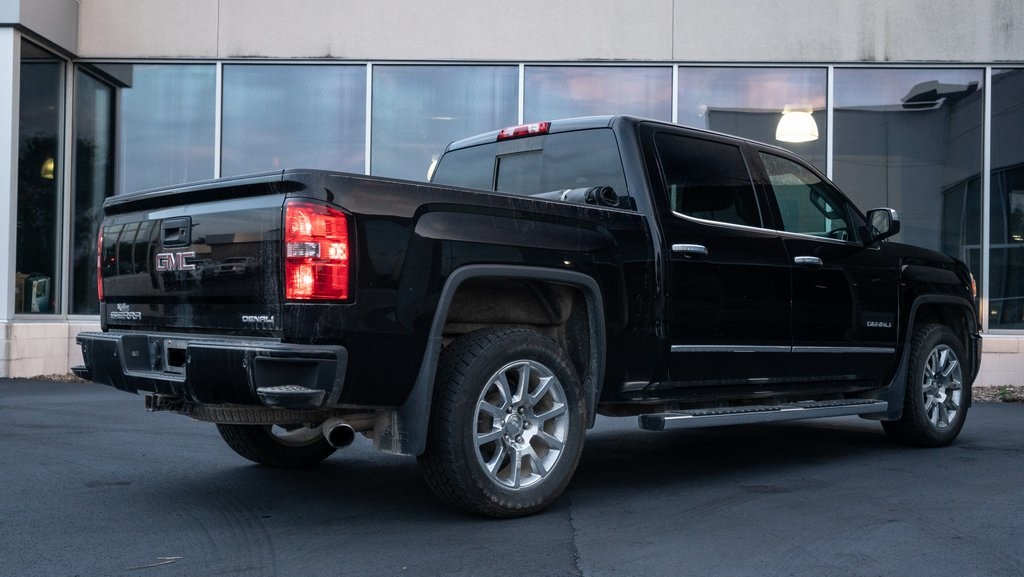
{"x": 265, "y": 322}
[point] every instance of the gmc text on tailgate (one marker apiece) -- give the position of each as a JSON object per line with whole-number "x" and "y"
{"x": 548, "y": 273}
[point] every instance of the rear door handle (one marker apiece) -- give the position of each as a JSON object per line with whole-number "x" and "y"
{"x": 690, "y": 249}
{"x": 811, "y": 261}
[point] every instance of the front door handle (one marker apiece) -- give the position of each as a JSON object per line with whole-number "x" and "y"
{"x": 690, "y": 249}
{"x": 811, "y": 261}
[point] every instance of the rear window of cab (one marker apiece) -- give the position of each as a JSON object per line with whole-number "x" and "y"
{"x": 536, "y": 164}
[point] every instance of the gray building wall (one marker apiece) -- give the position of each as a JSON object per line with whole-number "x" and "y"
{"x": 54, "y": 20}
{"x": 541, "y": 30}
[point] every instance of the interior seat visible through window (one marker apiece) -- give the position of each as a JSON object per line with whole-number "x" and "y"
{"x": 707, "y": 180}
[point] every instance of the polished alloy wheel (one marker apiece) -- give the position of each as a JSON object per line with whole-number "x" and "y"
{"x": 942, "y": 384}
{"x": 522, "y": 424}
{"x": 507, "y": 423}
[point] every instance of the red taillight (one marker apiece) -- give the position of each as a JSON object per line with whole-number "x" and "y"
{"x": 316, "y": 252}
{"x": 524, "y": 130}
{"x": 99, "y": 265}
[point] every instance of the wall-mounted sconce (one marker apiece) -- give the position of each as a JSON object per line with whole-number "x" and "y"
{"x": 47, "y": 170}
{"x": 797, "y": 125}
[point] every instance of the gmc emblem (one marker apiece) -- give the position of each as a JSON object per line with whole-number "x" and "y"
{"x": 169, "y": 261}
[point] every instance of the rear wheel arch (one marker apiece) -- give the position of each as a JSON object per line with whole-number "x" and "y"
{"x": 407, "y": 431}
{"x": 507, "y": 423}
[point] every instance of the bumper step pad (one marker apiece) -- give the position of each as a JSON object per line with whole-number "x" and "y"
{"x": 291, "y": 397}
{"x": 696, "y": 418}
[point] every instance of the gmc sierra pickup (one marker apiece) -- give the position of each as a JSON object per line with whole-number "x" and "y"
{"x": 548, "y": 273}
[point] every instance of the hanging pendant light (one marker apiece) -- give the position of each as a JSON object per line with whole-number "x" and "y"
{"x": 47, "y": 170}
{"x": 796, "y": 125}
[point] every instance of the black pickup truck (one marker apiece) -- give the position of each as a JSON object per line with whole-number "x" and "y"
{"x": 548, "y": 273}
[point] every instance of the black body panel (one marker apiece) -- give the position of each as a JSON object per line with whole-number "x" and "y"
{"x": 687, "y": 300}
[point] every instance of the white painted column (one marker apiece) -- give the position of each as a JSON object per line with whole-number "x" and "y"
{"x": 10, "y": 59}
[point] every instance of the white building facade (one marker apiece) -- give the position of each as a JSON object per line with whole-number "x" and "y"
{"x": 913, "y": 104}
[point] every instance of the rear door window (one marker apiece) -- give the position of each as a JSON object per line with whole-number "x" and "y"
{"x": 708, "y": 180}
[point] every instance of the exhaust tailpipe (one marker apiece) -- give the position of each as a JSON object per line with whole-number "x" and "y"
{"x": 340, "y": 432}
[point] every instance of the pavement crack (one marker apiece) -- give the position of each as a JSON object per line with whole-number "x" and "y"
{"x": 577, "y": 557}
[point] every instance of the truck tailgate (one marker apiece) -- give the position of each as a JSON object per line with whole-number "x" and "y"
{"x": 211, "y": 264}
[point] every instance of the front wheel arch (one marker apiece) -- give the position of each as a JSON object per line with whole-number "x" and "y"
{"x": 956, "y": 313}
{"x": 937, "y": 390}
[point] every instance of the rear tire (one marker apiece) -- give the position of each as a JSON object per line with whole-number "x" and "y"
{"x": 937, "y": 396}
{"x": 277, "y": 446}
{"x": 506, "y": 425}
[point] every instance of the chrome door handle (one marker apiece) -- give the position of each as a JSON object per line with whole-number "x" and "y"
{"x": 690, "y": 249}
{"x": 808, "y": 261}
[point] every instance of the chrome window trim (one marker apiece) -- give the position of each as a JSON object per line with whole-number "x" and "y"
{"x": 730, "y": 349}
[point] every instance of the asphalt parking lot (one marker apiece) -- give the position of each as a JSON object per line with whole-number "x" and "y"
{"x": 92, "y": 485}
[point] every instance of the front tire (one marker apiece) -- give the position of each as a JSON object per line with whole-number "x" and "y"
{"x": 937, "y": 396}
{"x": 507, "y": 423}
{"x": 275, "y": 446}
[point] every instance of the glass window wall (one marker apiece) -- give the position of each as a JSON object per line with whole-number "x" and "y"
{"x": 781, "y": 106}
{"x": 565, "y": 91}
{"x": 93, "y": 182}
{"x": 1006, "y": 270}
{"x": 417, "y": 110}
{"x": 40, "y": 180}
{"x": 166, "y": 125}
{"x": 911, "y": 139}
{"x": 908, "y": 138}
{"x": 293, "y": 116}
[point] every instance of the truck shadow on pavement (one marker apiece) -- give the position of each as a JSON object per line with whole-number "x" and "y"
{"x": 360, "y": 483}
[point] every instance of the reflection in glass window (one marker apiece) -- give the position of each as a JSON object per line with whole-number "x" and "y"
{"x": 1006, "y": 283}
{"x": 560, "y": 161}
{"x": 293, "y": 116}
{"x": 418, "y": 110}
{"x": 40, "y": 124}
{"x": 553, "y": 92}
{"x": 911, "y": 139}
{"x": 806, "y": 204}
{"x": 752, "y": 103}
{"x": 166, "y": 125}
{"x": 94, "y": 181}
{"x": 566, "y": 160}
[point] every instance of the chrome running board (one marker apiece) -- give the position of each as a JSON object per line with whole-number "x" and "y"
{"x": 695, "y": 418}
